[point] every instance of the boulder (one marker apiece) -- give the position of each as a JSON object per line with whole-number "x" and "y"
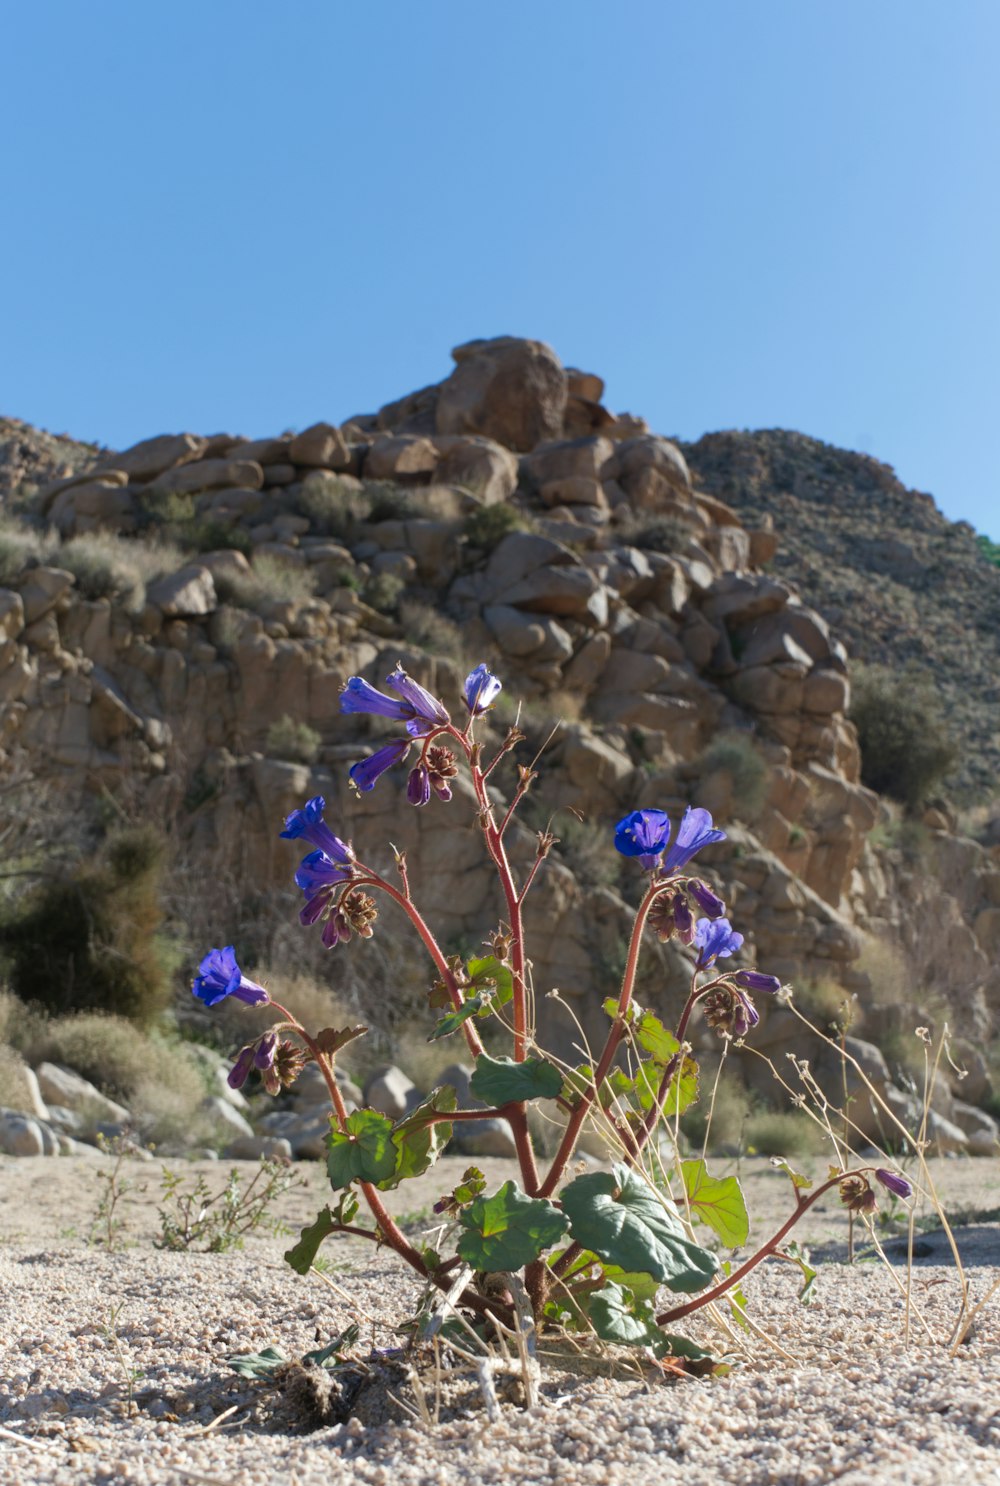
{"x": 151, "y": 457}
{"x": 42, "y": 589}
{"x": 189, "y": 593}
{"x": 321, "y": 446}
{"x": 511, "y": 390}
{"x": 483, "y": 1138}
{"x": 11, "y": 614}
{"x": 400, "y": 457}
{"x": 258, "y": 1148}
{"x": 209, "y": 474}
{"x": 391, "y": 1092}
{"x": 478, "y": 465}
{"x": 20, "y": 1135}
{"x": 59, "y": 1085}
{"x": 227, "y": 1118}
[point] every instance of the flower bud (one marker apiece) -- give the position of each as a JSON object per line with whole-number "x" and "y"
{"x": 710, "y": 903}
{"x": 756, "y": 980}
{"x": 894, "y": 1183}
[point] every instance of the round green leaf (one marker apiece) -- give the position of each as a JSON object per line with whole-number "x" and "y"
{"x": 717, "y": 1202}
{"x": 364, "y": 1153}
{"x": 508, "y": 1230}
{"x": 502, "y": 1081}
{"x": 621, "y": 1218}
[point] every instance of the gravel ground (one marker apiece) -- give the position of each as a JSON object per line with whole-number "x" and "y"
{"x": 835, "y": 1393}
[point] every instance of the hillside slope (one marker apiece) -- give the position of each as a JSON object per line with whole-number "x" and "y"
{"x": 901, "y": 585}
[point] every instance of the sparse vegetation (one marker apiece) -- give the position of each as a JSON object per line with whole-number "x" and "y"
{"x": 487, "y": 527}
{"x": 294, "y": 741}
{"x": 906, "y": 751}
{"x": 270, "y": 580}
{"x": 737, "y": 756}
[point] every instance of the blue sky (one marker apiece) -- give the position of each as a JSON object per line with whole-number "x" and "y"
{"x": 742, "y": 213}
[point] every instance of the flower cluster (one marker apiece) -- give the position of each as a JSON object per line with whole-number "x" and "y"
{"x": 858, "y": 1195}
{"x": 424, "y": 717}
{"x": 278, "y": 1063}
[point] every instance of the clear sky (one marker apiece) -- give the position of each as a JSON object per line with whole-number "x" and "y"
{"x": 243, "y": 215}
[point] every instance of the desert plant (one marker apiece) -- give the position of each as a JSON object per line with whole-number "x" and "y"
{"x": 738, "y": 756}
{"x": 382, "y": 592}
{"x": 905, "y": 748}
{"x": 91, "y": 938}
{"x": 588, "y": 1253}
{"x": 21, "y": 547}
{"x": 487, "y": 526}
{"x": 271, "y": 580}
{"x": 106, "y": 567}
{"x": 430, "y": 630}
{"x": 193, "y": 1217}
{"x": 295, "y": 741}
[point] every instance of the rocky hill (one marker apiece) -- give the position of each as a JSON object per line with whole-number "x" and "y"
{"x": 900, "y": 584}
{"x": 178, "y": 619}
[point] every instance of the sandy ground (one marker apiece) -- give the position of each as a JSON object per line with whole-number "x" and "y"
{"x": 855, "y": 1387}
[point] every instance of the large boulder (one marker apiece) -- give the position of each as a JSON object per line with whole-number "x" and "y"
{"x": 511, "y": 390}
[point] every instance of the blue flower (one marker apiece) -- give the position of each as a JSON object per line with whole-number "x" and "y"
{"x": 710, "y": 903}
{"x": 481, "y": 689}
{"x": 366, "y": 773}
{"x": 219, "y": 976}
{"x": 318, "y": 878}
{"x": 894, "y": 1183}
{"x": 308, "y": 824}
{"x": 643, "y": 834}
{"x": 756, "y": 980}
{"x": 715, "y": 939}
{"x": 418, "y": 785}
{"x": 694, "y": 832}
{"x": 240, "y": 1071}
{"x": 418, "y": 709}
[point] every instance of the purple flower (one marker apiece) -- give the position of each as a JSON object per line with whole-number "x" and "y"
{"x": 316, "y": 873}
{"x": 694, "y": 832}
{"x": 219, "y": 976}
{"x": 418, "y": 785}
{"x": 894, "y": 1183}
{"x": 745, "y": 1015}
{"x": 367, "y": 771}
{"x": 266, "y": 1049}
{"x": 643, "y": 834}
{"x": 683, "y": 918}
{"x": 308, "y": 824}
{"x": 756, "y": 980}
{"x": 710, "y": 903}
{"x": 420, "y": 711}
{"x": 715, "y": 938}
{"x": 240, "y": 1071}
{"x": 481, "y": 689}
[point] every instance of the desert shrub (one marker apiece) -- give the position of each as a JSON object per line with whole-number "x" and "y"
{"x": 166, "y": 507}
{"x": 718, "y": 1126}
{"x": 737, "y": 755}
{"x": 431, "y": 631}
{"x": 382, "y": 592}
{"x": 388, "y": 502}
{"x": 105, "y": 567}
{"x": 781, "y": 1132}
{"x": 334, "y": 507}
{"x": 20, "y": 548}
{"x": 270, "y": 580}
{"x": 664, "y": 534}
{"x": 206, "y": 534}
{"x": 990, "y": 550}
{"x": 90, "y": 938}
{"x": 905, "y": 748}
{"x": 487, "y": 526}
{"x": 293, "y": 740}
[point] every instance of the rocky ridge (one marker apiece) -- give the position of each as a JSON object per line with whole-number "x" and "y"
{"x": 571, "y": 547}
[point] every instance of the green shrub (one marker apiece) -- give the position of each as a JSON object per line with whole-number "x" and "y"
{"x": 270, "y": 580}
{"x": 294, "y": 741}
{"x": 388, "y": 502}
{"x": 382, "y": 592}
{"x": 91, "y": 938}
{"x": 430, "y": 630}
{"x": 20, "y": 548}
{"x": 487, "y": 527}
{"x": 905, "y": 747}
{"x": 665, "y": 534}
{"x": 738, "y": 755}
{"x": 333, "y": 506}
{"x": 782, "y": 1133}
{"x": 990, "y": 550}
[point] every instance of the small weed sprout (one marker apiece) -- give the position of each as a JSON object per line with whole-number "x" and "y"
{"x": 619, "y": 1256}
{"x": 130, "y": 1375}
{"x": 106, "y": 1226}
{"x": 195, "y": 1217}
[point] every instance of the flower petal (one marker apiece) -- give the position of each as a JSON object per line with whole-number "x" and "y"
{"x": 366, "y": 773}
{"x": 695, "y": 831}
{"x": 481, "y": 689}
{"x": 359, "y": 696}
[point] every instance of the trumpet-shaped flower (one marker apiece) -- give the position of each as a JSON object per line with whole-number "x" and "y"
{"x": 710, "y": 903}
{"x": 756, "y": 980}
{"x": 416, "y": 707}
{"x": 220, "y": 976}
{"x": 715, "y": 939}
{"x": 308, "y": 824}
{"x": 643, "y": 834}
{"x": 367, "y": 772}
{"x": 695, "y": 831}
{"x": 894, "y": 1183}
{"x": 481, "y": 689}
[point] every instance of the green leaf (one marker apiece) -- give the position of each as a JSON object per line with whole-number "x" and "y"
{"x": 418, "y": 1139}
{"x": 474, "y": 1006}
{"x": 256, "y": 1364}
{"x": 623, "y": 1220}
{"x": 302, "y": 1255}
{"x": 645, "y": 1085}
{"x": 798, "y": 1180}
{"x": 330, "y": 1041}
{"x": 502, "y": 1081}
{"x": 618, "y": 1315}
{"x": 364, "y": 1153}
{"x": 508, "y": 1230}
{"x": 472, "y": 1184}
{"x": 578, "y": 1080}
{"x": 331, "y": 1353}
{"x": 717, "y": 1202}
{"x": 738, "y": 1302}
{"x": 491, "y": 973}
{"x": 800, "y": 1257}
